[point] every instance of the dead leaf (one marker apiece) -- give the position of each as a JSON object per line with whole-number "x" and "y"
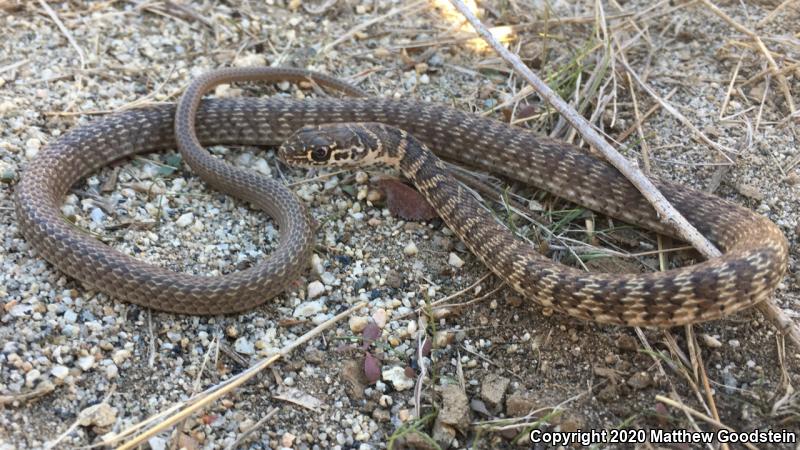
{"x": 298, "y": 397}
{"x": 371, "y": 333}
{"x": 405, "y": 202}
{"x": 372, "y": 368}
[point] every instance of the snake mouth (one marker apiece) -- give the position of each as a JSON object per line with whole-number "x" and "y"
{"x": 292, "y": 157}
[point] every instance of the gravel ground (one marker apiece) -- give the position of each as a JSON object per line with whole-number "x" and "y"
{"x": 76, "y": 365}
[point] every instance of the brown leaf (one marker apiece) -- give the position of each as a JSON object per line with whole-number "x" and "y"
{"x": 405, "y": 202}
{"x": 372, "y": 368}
{"x": 426, "y": 346}
{"x": 371, "y": 332}
{"x": 662, "y": 414}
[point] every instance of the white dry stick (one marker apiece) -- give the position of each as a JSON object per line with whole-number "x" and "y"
{"x": 666, "y": 211}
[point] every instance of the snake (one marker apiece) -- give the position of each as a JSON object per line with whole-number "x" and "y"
{"x": 754, "y": 259}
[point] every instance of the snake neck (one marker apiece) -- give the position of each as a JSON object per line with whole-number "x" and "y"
{"x": 394, "y": 147}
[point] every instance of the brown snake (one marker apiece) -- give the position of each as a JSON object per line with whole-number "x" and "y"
{"x": 755, "y": 251}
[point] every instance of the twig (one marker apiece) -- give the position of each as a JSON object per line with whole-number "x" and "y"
{"x": 209, "y": 395}
{"x": 697, "y": 358}
{"x": 666, "y": 211}
{"x": 787, "y": 93}
{"x": 657, "y": 361}
{"x": 324, "y": 176}
{"x": 499, "y": 366}
{"x": 151, "y": 356}
{"x": 364, "y": 25}
{"x": 774, "y": 12}
{"x": 252, "y": 429}
{"x": 761, "y": 103}
{"x": 321, "y": 9}
{"x": 678, "y": 115}
{"x": 645, "y": 116}
{"x": 639, "y": 130}
{"x": 699, "y": 415}
{"x": 13, "y": 66}
{"x": 41, "y": 391}
{"x": 195, "y": 387}
{"x": 423, "y": 373}
{"x": 730, "y": 88}
{"x": 64, "y": 30}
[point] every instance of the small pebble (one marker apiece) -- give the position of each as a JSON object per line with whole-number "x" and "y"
{"x": 287, "y": 440}
{"x": 261, "y": 166}
{"x": 120, "y": 356}
{"x": 309, "y": 309}
{"x": 7, "y": 172}
{"x": 328, "y": 278}
{"x": 157, "y": 443}
{"x": 410, "y": 249}
{"x": 70, "y": 316}
{"x": 86, "y": 362}
{"x": 640, "y": 380}
{"x": 379, "y": 317}
{"x": 397, "y": 376}
{"x": 98, "y": 415}
{"x": 455, "y": 261}
{"x": 442, "y": 339}
{"x": 316, "y": 264}
{"x": 20, "y": 310}
{"x": 711, "y": 341}
{"x": 31, "y": 377}
{"x": 185, "y": 220}
{"x": 97, "y": 215}
{"x": 59, "y": 372}
{"x": 358, "y": 323}
{"x": 315, "y": 289}
{"x": 32, "y": 147}
{"x": 244, "y": 346}
{"x": 251, "y": 60}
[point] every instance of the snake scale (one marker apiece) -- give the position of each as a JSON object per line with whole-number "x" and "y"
{"x": 755, "y": 251}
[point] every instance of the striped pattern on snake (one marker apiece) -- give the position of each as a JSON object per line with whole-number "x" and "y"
{"x": 755, "y": 250}
{"x": 744, "y": 276}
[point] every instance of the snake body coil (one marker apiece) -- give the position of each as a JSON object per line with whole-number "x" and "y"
{"x": 755, "y": 250}
{"x": 739, "y": 279}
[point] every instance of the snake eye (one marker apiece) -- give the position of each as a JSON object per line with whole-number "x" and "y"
{"x": 319, "y": 154}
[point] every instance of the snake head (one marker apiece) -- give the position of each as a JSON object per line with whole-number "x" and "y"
{"x": 331, "y": 145}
